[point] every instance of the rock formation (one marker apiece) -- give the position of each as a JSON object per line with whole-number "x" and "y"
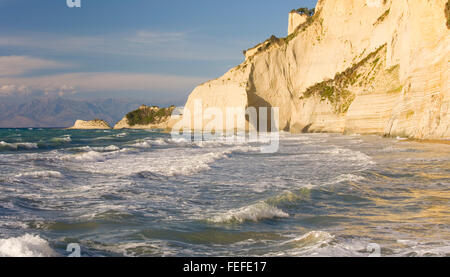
{"x": 147, "y": 118}
{"x": 92, "y": 124}
{"x": 356, "y": 66}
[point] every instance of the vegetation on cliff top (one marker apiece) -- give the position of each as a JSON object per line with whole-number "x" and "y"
{"x": 304, "y": 10}
{"x": 148, "y": 115}
{"x": 312, "y": 16}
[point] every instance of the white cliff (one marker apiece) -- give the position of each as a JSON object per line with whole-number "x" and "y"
{"x": 357, "y": 66}
{"x": 295, "y": 20}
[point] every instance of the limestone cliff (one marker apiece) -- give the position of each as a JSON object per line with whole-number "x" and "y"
{"x": 92, "y": 124}
{"x": 359, "y": 66}
{"x": 147, "y": 118}
{"x": 295, "y": 20}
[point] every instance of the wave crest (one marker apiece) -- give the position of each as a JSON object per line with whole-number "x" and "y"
{"x": 18, "y": 146}
{"x": 26, "y": 246}
{"x": 255, "y": 212}
{"x": 41, "y": 174}
{"x": 64, "y": 139}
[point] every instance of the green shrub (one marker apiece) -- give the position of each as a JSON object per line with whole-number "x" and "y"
{"x": 147, "y": 115}
{"x": 304, "y": 10}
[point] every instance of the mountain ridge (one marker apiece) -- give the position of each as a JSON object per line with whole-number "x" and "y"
{"x": 61, "y": 112}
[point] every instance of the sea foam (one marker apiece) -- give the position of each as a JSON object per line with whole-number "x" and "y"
{"x": 255, "y": 212}
{"x": 64, "y": 139}
{"x": 25, "y": 246}
{"x": 18, "y": 146}
{"x": 41, "y": 174}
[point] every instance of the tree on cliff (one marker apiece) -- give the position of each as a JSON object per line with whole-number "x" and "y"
{"x": 305, "y": 10}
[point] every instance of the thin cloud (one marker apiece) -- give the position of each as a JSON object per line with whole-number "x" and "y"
{"x": 143, "y": 43}
{"x": 18, "y": 65}
{"x": 71, "y": 83}
{"x": 152, "y": 37}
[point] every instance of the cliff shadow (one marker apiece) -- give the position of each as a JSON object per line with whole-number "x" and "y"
{"x": 256, "y": 101}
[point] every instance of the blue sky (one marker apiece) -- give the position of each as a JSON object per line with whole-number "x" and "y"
{"x": 153, "y": 50}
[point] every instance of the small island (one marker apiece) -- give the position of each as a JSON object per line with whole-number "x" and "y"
{"x": 90, "y": 125}
{"x": 146, "y": 117}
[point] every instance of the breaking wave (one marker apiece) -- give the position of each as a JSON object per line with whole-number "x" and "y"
{"x": 255, "y": 212}
{"x": 64, "y": 139}
{"x": 41, "y": 174}
{"x": 148, "y": 143}
{"x": 17, "y": 146}
{"x": 26, "y": 246}
{"x": 310, "y": 239}
{"x": 98, "y": 149}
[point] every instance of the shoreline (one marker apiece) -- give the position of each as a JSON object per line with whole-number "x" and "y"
{"x": 432, "y": 141}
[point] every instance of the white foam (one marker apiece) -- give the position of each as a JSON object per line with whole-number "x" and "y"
{"x": 191, "y": 165}
{"x": 423, "y": 251}
{"x": 255, "y": 212}
{"x": 88, "y": 156}
{"x": 66, "y": 138}
{"x": 315, "y": 237}
{"x": 346, "y": 178}
{"x": 110, "y": 148}
{"x": 41, "y": 174}
{"x": 106, "y": 149}
{"x": 25, "y": 246}
{"x": 95, "y": 156}
{"x": 137, "y": 249}
{"x": 158, "y": 142}
{"x": 148, "y": 143}
{"x": 167, "y": 162}
{"x": 350, "y": 155}
{"x": 142, "y": 144}
{"x": 19, "y": 145}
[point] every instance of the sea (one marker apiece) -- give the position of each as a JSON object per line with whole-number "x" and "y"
{"x": 144, "y": 193}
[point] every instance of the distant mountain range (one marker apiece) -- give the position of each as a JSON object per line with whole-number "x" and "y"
{"x": 61, "y": 112}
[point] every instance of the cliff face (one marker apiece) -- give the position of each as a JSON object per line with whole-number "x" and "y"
{"x": 295, "y": 20}
{"x": 378, "y": 66}
{"x": 92, "y": 124}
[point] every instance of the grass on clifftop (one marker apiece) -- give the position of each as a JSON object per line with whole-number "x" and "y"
{"x": 148, "y": 115}
{"x": 273, "y": 40}
{"x": 304, "y": 10}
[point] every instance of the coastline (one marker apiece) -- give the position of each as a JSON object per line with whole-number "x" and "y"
{"x": 168, "y": 130}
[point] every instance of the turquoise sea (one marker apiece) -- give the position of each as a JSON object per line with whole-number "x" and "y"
{"x": 142, "y": 193}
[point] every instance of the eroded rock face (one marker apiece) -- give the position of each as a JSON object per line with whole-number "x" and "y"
{"x": 92, "y": 124}
{"x": 398, "y": 51}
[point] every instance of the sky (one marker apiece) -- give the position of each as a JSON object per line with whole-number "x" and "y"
{"x": 153, "y": 50}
